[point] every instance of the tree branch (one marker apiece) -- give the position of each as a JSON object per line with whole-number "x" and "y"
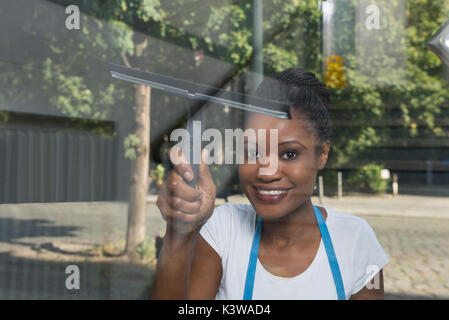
{"x": 140, "y": 47}
{"x": 125, "y": 59}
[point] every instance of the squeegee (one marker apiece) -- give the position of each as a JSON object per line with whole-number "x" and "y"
{"x": 439, "y": 43}
{"x": 202, "y": 93}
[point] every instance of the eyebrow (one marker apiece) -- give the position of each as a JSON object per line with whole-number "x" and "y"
{"x": 290, "y": 142}
{"x": 283, "y": 143}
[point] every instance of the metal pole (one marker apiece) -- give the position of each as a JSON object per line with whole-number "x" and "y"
{"x": 395, "y": 184}
{"x": 257, "y": 61}
{"x": 320, "y": 188}
{"x": 340, "y": 185}
{"x": 429, "y": 172}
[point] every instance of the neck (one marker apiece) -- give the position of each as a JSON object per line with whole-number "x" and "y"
{"x": 291, "y": 228}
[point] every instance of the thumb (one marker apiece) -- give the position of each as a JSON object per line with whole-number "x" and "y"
{"x": 204, "y": 176}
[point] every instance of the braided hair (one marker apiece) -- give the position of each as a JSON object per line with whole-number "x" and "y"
{"x": 308, "y": 97}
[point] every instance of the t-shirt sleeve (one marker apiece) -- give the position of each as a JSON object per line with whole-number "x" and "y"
{"x": 369, "y": 257}
{"x": 216, "y": 230}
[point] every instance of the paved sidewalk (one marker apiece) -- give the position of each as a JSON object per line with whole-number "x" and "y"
{"x": 413, "y": 230}
{"x": 418, "y": 249}
{"x": 387, "y": 205}
{"x": 383, "y": 205}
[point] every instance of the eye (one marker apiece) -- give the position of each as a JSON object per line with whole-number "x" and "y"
{"x": 289, "y": 155}
{"x": 250, "y": 153}
{"x": 253, "y": 154}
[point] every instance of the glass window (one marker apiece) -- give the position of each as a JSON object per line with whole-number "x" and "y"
{"x": 84, "y": 152}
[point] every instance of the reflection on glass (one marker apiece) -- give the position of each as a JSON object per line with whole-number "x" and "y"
{"x": 72, "y": 138}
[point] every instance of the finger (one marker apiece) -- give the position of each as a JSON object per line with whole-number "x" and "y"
{"x": 205, "y": 180}
{"x": 184, "y": 206}
{"x": 180, "y": 163}
{"x": 163, "y": 206}
{"x": 167, "y": 212}
{"x": 175, "y": 216}
{"x": 185, "y": 218}
{"x": 179, "y": 204}
{"x": 177, "y": 187}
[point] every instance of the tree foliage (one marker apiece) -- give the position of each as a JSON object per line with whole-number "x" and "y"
{"x": 394, "y": 86}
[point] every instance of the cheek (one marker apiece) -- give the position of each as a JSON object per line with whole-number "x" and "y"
{"x": 299, "y": 168}
{"x": 302, "y": 171}
{"x": 301, "y": 174}
{"x": 246, "y": 171}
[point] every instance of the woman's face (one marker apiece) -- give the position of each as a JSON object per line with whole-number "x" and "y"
{"x": 291, "y": 185}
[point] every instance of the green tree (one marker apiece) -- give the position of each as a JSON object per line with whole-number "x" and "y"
{"x": 395, "y": 92}
{"x": 412, "y": 99}
{"x": 108, "y": 29}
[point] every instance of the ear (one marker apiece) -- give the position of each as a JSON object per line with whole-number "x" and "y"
{"x": 324, "y": 155}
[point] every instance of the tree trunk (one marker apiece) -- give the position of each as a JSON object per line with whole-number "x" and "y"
{"x": 136, "y": 231}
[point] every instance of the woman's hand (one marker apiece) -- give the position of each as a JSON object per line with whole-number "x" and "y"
{"x": 184, "y": 208}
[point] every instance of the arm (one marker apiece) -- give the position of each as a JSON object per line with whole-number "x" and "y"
{"x": 172, "y": 272}
{"x": 188, "y": 269}
{"x": 186, "y": 210}
{"x": 371, "y": 293}
{"x": 206, "y": 272}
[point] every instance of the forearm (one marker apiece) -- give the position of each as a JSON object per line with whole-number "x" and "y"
{"x": 173, "y": 269}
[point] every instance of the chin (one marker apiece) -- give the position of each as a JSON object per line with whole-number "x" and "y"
{"x": 272, "y": 210}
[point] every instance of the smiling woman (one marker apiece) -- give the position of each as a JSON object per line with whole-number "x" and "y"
{"x": 303, "y": 143}
{"x": 280, "y": 246}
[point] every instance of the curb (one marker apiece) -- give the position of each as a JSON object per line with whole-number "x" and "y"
{"x": 385, "y": 205}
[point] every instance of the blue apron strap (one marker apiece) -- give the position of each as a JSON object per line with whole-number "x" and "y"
{"x": 330, "y": 255}
{"x": 251, "y": 272}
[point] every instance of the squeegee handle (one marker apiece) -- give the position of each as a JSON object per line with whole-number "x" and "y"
{"x": 195, "y": 176}
{"x": 193, "y": 164}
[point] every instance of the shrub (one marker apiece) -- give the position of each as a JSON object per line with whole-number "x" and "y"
{"x": 368, "y": 179}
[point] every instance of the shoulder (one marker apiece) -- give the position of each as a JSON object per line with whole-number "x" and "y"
{"x": 354, "y": 232}
{"x": 232, "y": 214}
{"x": 346, "y": 222}
{"x": 359, "y": 252}
{"x": 228, "y": 223}
{"x": 350, "y": 230}
{"x": 231, "y": 209}
{"x": 230, "y": 217}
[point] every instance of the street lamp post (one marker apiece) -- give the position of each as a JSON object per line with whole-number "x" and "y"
{"x": 257, "y": 61}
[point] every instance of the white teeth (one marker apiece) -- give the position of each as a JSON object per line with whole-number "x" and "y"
{"x": 271, "y": 192}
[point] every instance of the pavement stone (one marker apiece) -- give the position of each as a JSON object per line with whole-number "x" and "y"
{"x": 418, "y": 261}
{"x": 413, "y": 230}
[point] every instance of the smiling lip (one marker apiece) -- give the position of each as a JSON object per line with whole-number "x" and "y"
{"x": 270, "y": 194}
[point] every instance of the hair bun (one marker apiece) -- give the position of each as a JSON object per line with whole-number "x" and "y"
{"x": 298, "y": 77}
{"x": 304, "y": 92}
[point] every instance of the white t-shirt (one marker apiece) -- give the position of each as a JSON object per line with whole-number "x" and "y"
{"x": 230, "y": 233}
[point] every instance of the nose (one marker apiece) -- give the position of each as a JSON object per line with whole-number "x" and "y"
{"x": 267, "y": 178}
